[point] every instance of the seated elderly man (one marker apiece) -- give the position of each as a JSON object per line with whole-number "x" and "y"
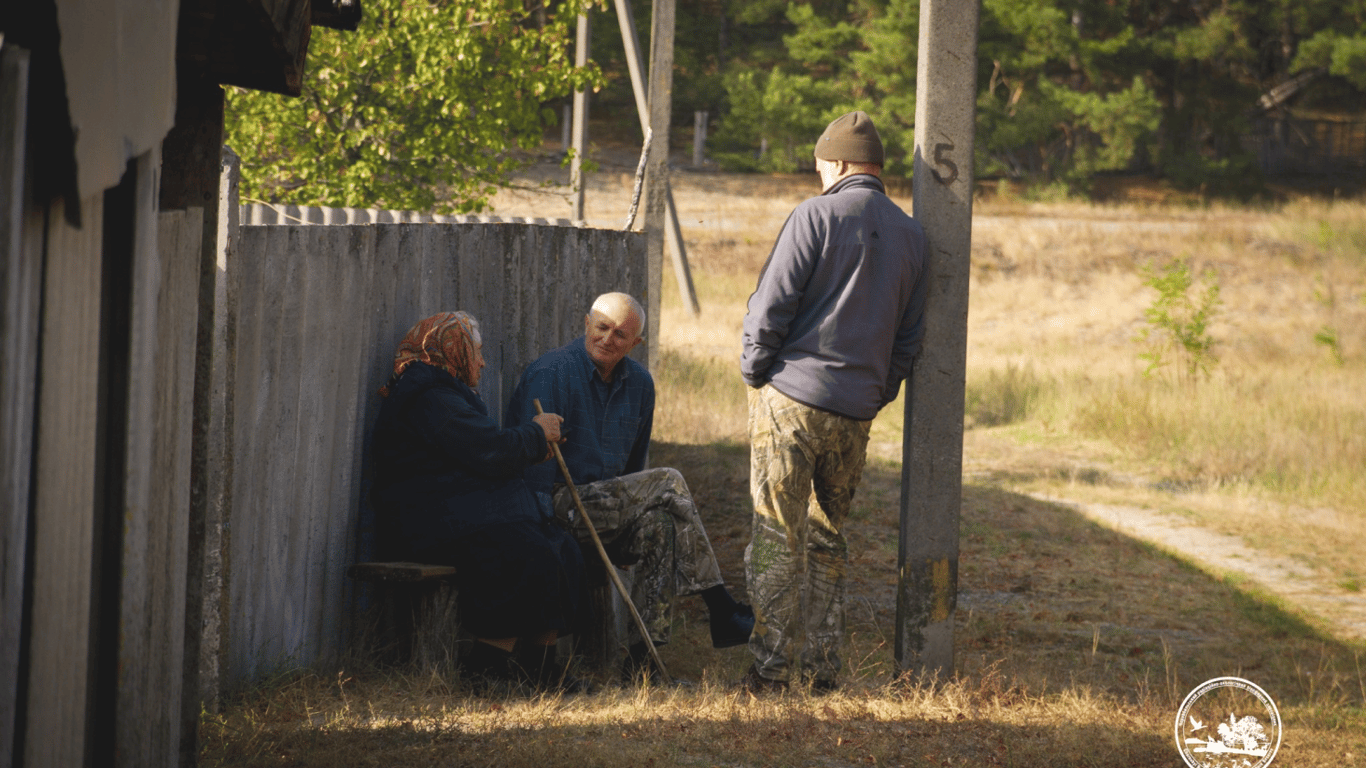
{"x": 643, "y": 516}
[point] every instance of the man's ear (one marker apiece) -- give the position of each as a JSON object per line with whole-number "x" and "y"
{"x": 634, "y": 343}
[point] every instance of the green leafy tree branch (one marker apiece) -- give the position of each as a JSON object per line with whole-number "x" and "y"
{"x": 421, "y": 108}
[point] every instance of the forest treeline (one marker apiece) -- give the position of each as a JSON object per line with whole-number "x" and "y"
{"x": 426, "y": 105}
{"x": 1066, "y": 88}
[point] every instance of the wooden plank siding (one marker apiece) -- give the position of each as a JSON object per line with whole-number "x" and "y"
{"x": 64, "y": 491}
{"x": 316, "y": 313}
{"x": 157, "y": 501}
{"x": 21, "y": 260}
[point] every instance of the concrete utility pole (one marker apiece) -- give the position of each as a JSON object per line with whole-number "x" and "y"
{"x": 580, "y": 121}
{"x": 932, "y": 451}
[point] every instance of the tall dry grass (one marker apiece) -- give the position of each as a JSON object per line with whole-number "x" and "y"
{"x": 1074, "y": 643}
{"x": 1279, "y": 428}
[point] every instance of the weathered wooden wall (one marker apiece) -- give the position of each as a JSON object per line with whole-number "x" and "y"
{"x": 21, "y": 263}
{"x": 63, "y": 496}
{"x": 157, "y": 488}
{"x": 314, "y": 314}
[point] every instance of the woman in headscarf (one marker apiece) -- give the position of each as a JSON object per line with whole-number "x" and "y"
{"x": 448, "y": 490}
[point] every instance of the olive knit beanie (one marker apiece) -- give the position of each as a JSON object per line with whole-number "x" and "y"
{"x": 851, "y": 137}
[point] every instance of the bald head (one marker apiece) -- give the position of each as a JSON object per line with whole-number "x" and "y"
{"x": 620, "y": 307}
{"x": 611, "y": 330}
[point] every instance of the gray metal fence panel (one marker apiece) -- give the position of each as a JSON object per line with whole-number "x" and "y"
{"x": 318, "y": 313}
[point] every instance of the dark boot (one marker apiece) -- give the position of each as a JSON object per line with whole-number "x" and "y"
{"x": 732, "y": 628}
{"x": 487, "y": 667}
{"x": 731, "y": 621}
{"x": 757, "y": 684}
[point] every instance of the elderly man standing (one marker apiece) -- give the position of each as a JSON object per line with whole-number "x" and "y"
{"x": 830, "y": 333}
{"x": 643, "y": 516}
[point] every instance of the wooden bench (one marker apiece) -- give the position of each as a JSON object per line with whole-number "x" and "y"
{"x": 415, "y": 617}
{"x": 414, "y": 613}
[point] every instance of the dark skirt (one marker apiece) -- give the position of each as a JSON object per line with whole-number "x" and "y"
{"x": 516, "y": 579}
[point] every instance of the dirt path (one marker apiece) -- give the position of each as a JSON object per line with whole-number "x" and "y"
{"x": 1293, "y": 582}
{"x": 997, "y": 460}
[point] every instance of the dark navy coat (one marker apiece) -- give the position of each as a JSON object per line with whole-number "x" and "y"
{"x": 443, "y": 468}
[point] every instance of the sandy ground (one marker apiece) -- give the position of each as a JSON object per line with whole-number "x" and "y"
{"x": 705, "y": 209}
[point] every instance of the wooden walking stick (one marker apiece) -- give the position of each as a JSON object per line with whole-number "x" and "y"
{"x": 607, "y": 561}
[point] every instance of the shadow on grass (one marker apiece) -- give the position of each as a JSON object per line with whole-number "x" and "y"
{"x": 729, "y": 733}
{"x": 1052, "y": 598}
{"x": 1074, "y": 646}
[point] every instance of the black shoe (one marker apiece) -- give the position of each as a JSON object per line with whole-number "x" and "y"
{"x": 759, "y": 685}
{"x": 487, "y": 667}
{"x": 733, "y": 629}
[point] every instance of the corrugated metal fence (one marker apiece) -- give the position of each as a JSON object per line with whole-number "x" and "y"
{"x": 267, "y": 213}
{"x": 312, "y": 317}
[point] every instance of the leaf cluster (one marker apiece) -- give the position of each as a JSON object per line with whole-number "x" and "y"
{"x": 421, "y": 108}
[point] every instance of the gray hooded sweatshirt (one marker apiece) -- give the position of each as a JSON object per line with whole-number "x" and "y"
{"x": 838, "y": 314}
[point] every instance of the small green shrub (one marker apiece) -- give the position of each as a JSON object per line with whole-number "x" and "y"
{"x": 1178, "y": 325}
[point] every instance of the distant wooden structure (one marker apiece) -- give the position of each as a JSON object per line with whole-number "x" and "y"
{"x": 109, "y": 149}
{"x": 1287, "y": 146}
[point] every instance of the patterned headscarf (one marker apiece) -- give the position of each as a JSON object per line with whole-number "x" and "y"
{"x": 447, "y": 340}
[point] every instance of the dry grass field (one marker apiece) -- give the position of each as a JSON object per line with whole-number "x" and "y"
{"x": 1075, "y": 642}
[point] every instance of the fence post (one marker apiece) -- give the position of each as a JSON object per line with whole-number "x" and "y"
{"x": 932, "y": 451}
{"x": 206, "y": 561}
{"x": 699, "y": 138}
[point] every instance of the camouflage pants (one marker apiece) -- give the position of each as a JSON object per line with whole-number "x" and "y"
{"x": 804, "y": 467}
{"x": 648, "y": 519}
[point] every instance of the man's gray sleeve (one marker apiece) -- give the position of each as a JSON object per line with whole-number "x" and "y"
{"x": 908, "y": 336}
{"x": 776, "y": 298}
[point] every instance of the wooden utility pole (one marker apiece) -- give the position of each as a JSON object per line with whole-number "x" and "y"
{"x": 932, "y": 452}
{"x": 644, "y": 108}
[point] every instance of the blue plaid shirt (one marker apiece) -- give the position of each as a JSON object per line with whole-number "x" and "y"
{"x": 607, "y": 425}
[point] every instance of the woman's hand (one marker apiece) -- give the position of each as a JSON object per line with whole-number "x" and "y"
{"x": 550, "y": 423}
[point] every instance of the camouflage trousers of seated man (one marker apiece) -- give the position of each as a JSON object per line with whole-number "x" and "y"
{"x": 647, "y": 519}
{"x": 805, "y": 465}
